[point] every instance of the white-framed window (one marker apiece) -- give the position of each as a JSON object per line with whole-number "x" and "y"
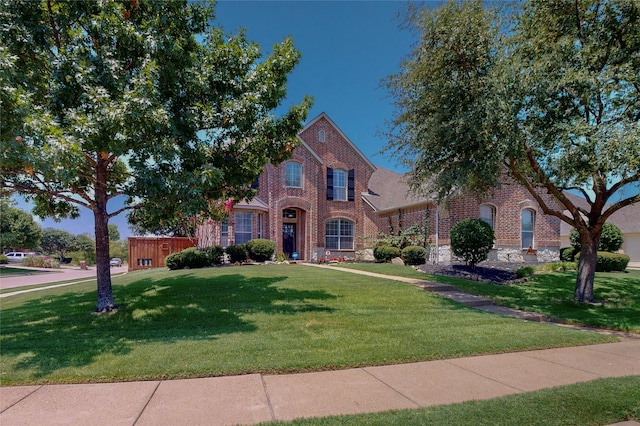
{"x": 528, "y": 226}
{"x": 242, "y": 227}
{"x": 339, "y": 235}
{"x": 339, "y": 185}
{"x": 488, "y": 214}
{"x": 224, "y": 233}
{"x": 293, "y": 174}
{"x": 322, "y": 136}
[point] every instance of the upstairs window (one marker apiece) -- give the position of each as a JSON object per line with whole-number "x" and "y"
{"x": 293, "y": 174}
{"x": 340, "y": 185}
{"x": 322, "y": 136}
{"x": 488, "y": 214}
{"x": 528, "y": 226}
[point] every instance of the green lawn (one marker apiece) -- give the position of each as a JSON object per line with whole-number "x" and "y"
{"x": 551, "y": 293}
{"x": 599, "y": 402}
{"x": 233, "y": 320}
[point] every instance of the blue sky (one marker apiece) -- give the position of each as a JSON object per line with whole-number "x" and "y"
{"x": 347, "y": 48}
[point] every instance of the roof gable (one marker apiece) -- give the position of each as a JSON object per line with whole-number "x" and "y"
{"x": 324, "y": 116}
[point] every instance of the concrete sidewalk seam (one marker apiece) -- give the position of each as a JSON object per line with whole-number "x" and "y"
{"x": 407, "y": 397}
{"x": 266, "y": 394}
{"x": 468, "y": 370}
{"x": 144, "y": 407}
{"x": 22, "y": 399}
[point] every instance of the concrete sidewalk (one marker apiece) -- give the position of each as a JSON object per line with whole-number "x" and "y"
{"x": 255, "y": 398}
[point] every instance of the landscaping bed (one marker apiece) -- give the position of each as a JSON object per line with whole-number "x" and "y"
{"x": 489, "y": 272}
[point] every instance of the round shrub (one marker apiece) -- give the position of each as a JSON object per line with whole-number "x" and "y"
{"x": 261, "y": 249}
{"x": 237, "y": 253}
{"x": 174, "y": 261}
{"x": 608, "y": 262}
{"x": 567, "y": 254}
{"x": 192, "y": 257}
{"x": 610, "y": 240}
{"x": 3, "y": 259}
{"x": 414, "y": 255}
{"x": 386, "y": 253}
{"x": 214, "y": 254}
{"x": 471, "y": 240}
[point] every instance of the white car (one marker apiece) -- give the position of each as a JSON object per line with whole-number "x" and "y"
{"x": 16, "y": 256}
{"x": 116, "y": 261}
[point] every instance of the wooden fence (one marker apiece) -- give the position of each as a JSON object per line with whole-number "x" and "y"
{"x": 150, "y": 252}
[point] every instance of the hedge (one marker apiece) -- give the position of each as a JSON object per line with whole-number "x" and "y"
{"x": 608, "y": 262}
{"x": 261, "y": 249}
{"x": 386, "y": 253}
{"x": 414, "y": 255}
{"x": 237, "y": 253}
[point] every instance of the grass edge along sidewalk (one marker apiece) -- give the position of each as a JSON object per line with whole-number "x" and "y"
{"x": 239, "y": 320}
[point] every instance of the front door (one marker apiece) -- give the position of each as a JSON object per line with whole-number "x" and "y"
{"x": 288, "y": 238}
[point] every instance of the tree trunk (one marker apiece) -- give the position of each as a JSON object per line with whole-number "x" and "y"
{"x": 101, "y": 218}
{"x": 586, "y": 270}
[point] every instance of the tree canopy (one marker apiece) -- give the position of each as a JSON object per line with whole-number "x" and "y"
{"x": 18, "y": 230}
{"x": 546, "y": 92}
{"x": 142, "y": 99}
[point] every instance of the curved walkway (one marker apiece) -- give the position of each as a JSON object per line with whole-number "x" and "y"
{"x": 255, "y": 398}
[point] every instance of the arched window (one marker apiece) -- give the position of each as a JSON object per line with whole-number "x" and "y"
{"x": 339, "y": 235}
{"x": 528, "y": 226}
{"x": 293, "y": 174}
{"x": 488, "y": 214}
{"x": 322, "y": 136}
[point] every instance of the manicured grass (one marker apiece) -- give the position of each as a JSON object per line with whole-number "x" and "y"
{"x": 600, "y": 402}
{"x": 551, "y": 293}
{"x": 233, "y": 320}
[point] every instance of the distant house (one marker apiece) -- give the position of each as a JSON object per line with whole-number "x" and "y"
{"x": 627, "y": 219}
{"x": 330, "y": 200}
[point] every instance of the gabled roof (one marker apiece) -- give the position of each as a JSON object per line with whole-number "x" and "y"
{"x": 255, "y": 204}
{"x": 341, "y": 133}
{"x": 389, "y": 190}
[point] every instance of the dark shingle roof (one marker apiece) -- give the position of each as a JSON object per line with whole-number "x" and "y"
{"x": 389, "y": 190}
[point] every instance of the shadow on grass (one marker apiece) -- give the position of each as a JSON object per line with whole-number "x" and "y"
{"x": 55, "y": 332}
{"x": 617, "y": 298}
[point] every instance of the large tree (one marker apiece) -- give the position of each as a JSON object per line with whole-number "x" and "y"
{"x": 146, "y": 99}
{"x": 18, "y": 230}
{"x": 59, "y": 242}
{"x": 544, "y": 91}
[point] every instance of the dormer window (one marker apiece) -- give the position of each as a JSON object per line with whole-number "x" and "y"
{"x": 322, "y": 135}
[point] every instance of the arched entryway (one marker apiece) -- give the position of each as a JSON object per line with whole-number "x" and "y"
{"x": 293, "y": 233}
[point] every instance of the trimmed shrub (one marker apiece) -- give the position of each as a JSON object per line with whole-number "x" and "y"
{"x": 567, "y": 254}
{"x": 281, "y": 256}
{"x": 386, "y": 253}
{"x": 174, "y": 261}
{"x": 471, "y": 240}
{"x": 3, "y": 259}
{"x": 610, "y": 240}
{"x": 608, "y": 262}
{"x": 214, "y": 254}
{"x": 414, "y": 255}
{"x": 192, "y": 257}
{"x": 261, "y": 249}
{"x": 237, "y": 253}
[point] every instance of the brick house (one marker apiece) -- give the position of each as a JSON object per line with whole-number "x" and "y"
{"x": 330, "y": 197}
